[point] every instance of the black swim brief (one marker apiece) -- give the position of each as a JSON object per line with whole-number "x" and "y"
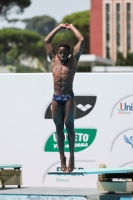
{"x": 62, "y": 98}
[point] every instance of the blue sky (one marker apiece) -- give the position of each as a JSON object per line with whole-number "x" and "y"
{"x": 54, "y": 8}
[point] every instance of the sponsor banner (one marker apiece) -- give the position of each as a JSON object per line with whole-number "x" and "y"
{"x": 103, "y": 126}
{"x": 124, "y": 107}
{"x": 123, "y": 145}
{"x": 83, "y": 139}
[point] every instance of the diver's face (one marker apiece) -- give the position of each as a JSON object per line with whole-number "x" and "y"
{"x": 63, "y": 54}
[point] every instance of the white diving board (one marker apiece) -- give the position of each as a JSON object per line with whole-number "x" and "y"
{"x": 108, "y": 178}
{"x": 8, "y": 166}
{"x": 95, "y": 171}
{"x": 106, "y": 170}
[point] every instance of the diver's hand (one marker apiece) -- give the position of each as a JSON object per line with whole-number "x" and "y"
{"x": 67, "y": 26}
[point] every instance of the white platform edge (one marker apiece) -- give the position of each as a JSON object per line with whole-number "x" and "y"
{"x": 39, "y": 197}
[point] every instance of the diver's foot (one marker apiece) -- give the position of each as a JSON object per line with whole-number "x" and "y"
{"x": 63, "y": 164}
{"x": 71, "y": 164}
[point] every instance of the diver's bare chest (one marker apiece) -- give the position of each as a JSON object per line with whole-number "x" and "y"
{"x": 62, "y": 69}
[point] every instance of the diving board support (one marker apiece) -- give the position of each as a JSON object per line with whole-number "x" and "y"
{"x": 10, "y": 175}
{"x": 115, "y": 186}
{"x": 111, "y": 181}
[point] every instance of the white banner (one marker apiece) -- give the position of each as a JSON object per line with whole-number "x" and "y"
{"x": 103, "y": 126}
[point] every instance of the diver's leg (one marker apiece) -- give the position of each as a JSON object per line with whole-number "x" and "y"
{"x": 58, "y": 118}
{"x": 69, "y": 116}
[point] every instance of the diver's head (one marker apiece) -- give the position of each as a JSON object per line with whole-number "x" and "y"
{"x": 63, "y": 51}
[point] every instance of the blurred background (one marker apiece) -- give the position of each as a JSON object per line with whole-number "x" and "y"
{"x": 107, "y": 27}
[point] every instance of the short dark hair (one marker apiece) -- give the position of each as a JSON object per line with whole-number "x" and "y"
{"x": 64, "y": 44}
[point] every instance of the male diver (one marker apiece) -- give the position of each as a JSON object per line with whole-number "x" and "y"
{"x": 64, "y": 66}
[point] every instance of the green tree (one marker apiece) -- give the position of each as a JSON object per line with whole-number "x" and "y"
{"x": 42, "y": 24}
{"x": 121, "y": 61}
{"x": 129, "y": 59}
{"x": 6, "y": 6}
{"x": 17, "y": 43}
{"x": 81, "y": 21}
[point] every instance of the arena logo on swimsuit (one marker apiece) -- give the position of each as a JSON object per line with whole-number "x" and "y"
{"x": 84, "y": 105}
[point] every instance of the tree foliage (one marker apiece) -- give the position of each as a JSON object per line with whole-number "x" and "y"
{"x": 42, "y": 24}
{"x": 121, "y": 61}
{"x": 81, "y": 21}
{"x": 16, "y": 43}
{"x": 129, "y": 59}
{"x": 17, "y": 6}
